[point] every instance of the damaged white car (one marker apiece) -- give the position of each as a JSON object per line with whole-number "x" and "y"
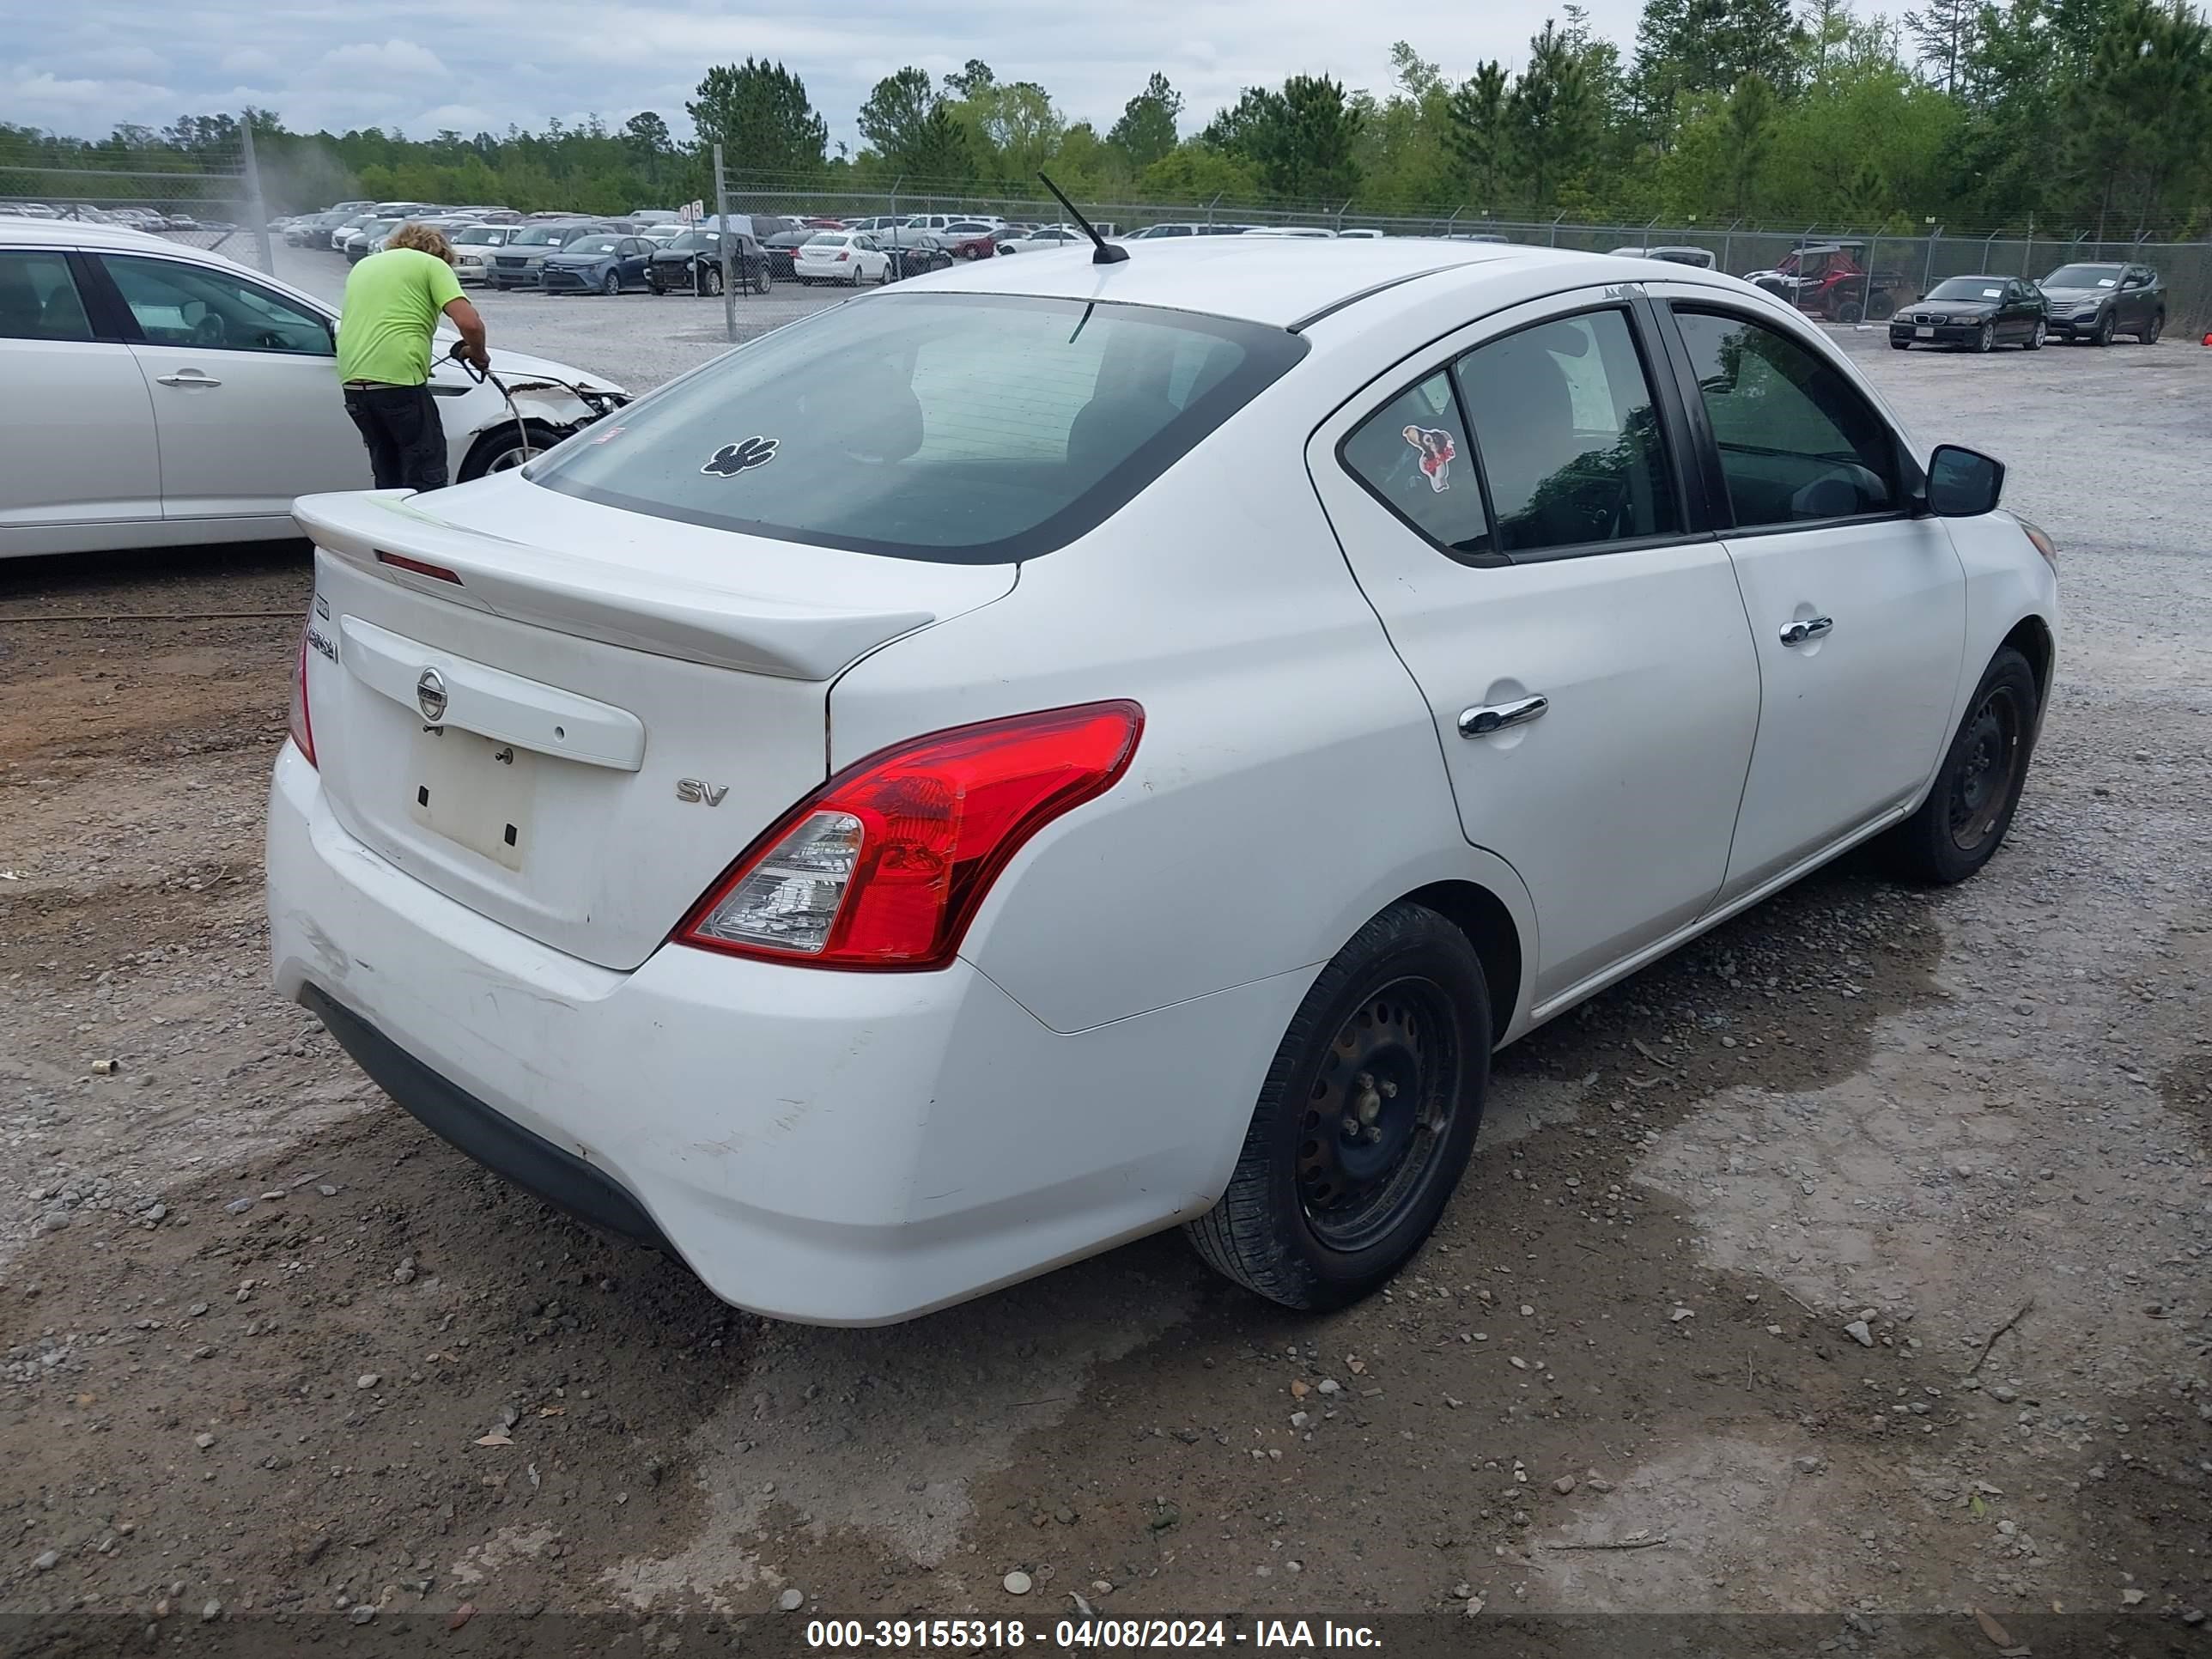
{"x": 164, "y": 395}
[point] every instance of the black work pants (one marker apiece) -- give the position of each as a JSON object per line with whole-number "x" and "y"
{"x": 406, "y": 440}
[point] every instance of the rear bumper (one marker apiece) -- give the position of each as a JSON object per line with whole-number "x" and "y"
{"x": 494, "y": 1140}
{"x": 847, "y": 1149}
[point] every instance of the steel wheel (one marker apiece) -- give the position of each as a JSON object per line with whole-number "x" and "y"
{"x": 1984, "y": 781}
{"x": 1379, "y": 1112}
{"x": 1963, "y": 821}
{"x": 1365, "y": 1124}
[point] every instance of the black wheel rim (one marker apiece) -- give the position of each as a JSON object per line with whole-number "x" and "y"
{"x": 1983, "y": 777}
{"x": 1377, "y": 1117}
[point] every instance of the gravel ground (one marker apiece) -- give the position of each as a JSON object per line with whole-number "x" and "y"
{"x": 1851, "y": 1263}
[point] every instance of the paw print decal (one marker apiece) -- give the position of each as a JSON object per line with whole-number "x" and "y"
{"x": 733, "y": 459}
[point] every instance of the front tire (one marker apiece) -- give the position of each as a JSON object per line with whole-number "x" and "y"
{"x": 501, "y": 449}
{"x": 1962, "y": 824}
{"x": 1987, "y": 339}
{"x": 2103, "y": 337}
{"x": 2149, "y": 336}
{"x": 1365, "y": 1121}
{"x": 613, "y": 285}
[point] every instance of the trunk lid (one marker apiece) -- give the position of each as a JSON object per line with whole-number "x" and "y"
{"x": 570, "y": 718}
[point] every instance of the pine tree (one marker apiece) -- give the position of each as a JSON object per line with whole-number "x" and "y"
{"x": 1478, "y": 134}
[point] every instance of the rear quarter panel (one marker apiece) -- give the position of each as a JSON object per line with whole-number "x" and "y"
{"x": 1288, "y": 784}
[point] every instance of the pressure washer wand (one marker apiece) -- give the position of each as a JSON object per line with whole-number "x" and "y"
{"x": 480, "y": 375}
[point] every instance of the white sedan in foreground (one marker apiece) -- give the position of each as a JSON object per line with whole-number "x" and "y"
{"x": 1055, "y": 750}
{"x": 161, "y": 395}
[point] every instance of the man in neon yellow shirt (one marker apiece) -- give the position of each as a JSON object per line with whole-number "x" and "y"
{"x": 392, "y": 302}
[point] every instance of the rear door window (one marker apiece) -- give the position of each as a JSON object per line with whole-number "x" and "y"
{"x": 1571, "y": 443}
{"x": 39, "y": 299}
{"x": 973, "y": 428}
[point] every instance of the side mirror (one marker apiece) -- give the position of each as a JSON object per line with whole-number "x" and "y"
{"x": 1963, "y": 483}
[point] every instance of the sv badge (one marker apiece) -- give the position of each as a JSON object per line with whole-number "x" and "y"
{"x": 696, "y": 793}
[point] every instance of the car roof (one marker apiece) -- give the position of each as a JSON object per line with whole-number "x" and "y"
{"x": 1280, "y": 280}
{"x": 87, "y": 234}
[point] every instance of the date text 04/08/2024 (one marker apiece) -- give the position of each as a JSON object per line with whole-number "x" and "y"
{"x": 895, "y": 1635}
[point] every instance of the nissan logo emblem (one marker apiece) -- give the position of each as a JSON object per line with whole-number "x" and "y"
{"x": 430, "y": 695}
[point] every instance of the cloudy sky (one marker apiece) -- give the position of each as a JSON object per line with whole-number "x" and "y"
{"x": 482, "y": 63}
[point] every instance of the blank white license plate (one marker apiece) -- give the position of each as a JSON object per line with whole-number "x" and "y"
{"x": 475, "y": 791}
{"x": 1923, "y": 332}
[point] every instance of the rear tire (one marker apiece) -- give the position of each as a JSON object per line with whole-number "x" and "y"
{"x": 2157, "y": 327}
{"x": 2034, "y": 341}
{"x": 1394, "y": 1040}
{"x": 1969, "y": 808}
{"x": 1848, "y": 312}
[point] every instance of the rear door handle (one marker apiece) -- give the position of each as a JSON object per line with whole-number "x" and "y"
{"x": 1481, "y": 722}
{"x": 187, "y": 377}
{"x": 1816, "y": 627}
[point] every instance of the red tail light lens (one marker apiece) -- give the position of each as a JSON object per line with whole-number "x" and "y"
{"x": 886, "y": 864}
{"x": 302, "y": 727}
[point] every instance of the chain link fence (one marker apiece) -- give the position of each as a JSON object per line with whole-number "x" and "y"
{"x": 217, "y": 206}
{"x": 1894, "y": 269}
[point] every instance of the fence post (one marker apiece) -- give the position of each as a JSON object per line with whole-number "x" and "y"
{"x": 727, "y": 242}
{"x": 1728, "y": 243}
{"x": 1555, "y": 226}
{"x": 2027, "y": 254}
{"x": 254, "y": 205}
{"x": 1927, "y": 268}
{"x": 1449, "y": 222}
{"x": 1210, "y": 206}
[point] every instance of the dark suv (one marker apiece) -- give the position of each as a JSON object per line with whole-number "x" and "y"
{"x": 2095, "y": 302}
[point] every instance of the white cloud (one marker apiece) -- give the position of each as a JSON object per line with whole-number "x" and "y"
{"x": 251, "y": 60}
{"x": 394, "y": 61}
{"x": 128, "y": 62}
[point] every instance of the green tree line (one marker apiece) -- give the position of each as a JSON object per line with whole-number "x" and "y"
{"x": 2069, "y": 113}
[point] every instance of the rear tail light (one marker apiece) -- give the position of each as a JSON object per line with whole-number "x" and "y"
{"x": 842, "y": 258}
{"x": 302, "y": 726}
{"x": 886, "y": 864}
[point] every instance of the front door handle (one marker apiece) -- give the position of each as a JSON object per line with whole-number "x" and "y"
{"x": 187, "y": 377}
{"x": 1816, "y": 627}
{"x": 1482, "y": 722}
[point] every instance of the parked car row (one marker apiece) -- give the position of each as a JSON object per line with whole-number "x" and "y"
{"x": 2079, "y": 303}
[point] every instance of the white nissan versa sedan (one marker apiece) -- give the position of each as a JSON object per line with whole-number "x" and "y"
{"x": 1057, "y": 750}
{"x": 160, "y": 395}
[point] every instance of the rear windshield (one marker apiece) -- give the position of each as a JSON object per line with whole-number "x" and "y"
{"x": 963, "y": 428}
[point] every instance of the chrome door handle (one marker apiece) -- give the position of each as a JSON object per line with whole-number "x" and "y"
{"x": 1798, "y": 632}
{"x": 189, "y": 377}
{"x": 1482, "y": 722}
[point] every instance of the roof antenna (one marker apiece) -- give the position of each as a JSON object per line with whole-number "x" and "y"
{"x": 1109, "y": 254}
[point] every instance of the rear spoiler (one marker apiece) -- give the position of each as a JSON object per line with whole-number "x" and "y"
{"x": 384, "y": 534}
